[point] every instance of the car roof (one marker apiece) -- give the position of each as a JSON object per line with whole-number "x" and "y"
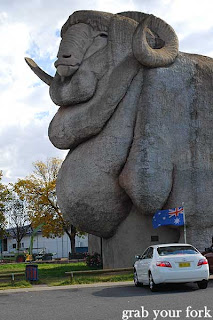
{"x": 170, "y": 244}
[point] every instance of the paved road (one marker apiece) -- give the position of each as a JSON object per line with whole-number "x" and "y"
{"x": 106, "y": 303}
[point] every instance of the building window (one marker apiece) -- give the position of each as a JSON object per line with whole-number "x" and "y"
{"x": 154, "y": 238}
{"x": 14, "y": 245}
{"x": 4, "y": 244}
{"x": 22, "y": 244}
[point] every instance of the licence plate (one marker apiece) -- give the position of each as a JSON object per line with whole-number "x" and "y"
{"x": 184, "y": 264}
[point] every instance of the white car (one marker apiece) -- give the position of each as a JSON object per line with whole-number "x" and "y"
{"x": 171, "y": 263}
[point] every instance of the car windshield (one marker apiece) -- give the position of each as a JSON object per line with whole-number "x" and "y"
{"x": 164, "y": 251}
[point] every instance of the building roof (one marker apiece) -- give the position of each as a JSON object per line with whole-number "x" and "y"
{"x": 28, "y": 230}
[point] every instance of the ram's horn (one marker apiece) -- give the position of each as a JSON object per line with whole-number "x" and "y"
{"x": 38, "y": 71}
{"x": 155, "y": 57}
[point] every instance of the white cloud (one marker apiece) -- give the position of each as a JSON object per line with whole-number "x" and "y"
{"x": 31, "y": 28}
{"x": 115, "y": 6}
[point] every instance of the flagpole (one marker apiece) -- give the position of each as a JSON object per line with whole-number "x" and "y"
{"x": 184, "y": 221}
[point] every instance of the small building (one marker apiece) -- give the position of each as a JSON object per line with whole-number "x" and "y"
{"x": 59, "y": 246}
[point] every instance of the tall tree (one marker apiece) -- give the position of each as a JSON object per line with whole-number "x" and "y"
{"x": 39, "y": 190}
{"x": 3, "y": 197}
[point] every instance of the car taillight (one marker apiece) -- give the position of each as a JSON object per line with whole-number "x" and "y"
{"x": 202, "y": 261}
{"x": 166, "y": 264}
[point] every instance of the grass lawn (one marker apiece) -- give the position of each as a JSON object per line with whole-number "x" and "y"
{"x": 54, "y": 275}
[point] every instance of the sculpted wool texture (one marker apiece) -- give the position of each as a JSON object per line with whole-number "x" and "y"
{"x": 137, "y": 117}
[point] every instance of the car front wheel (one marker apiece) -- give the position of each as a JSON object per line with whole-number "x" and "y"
{"x": 202, "y": 284}
{"x": 136, "y": 282}
{"x": 152, "y": 286}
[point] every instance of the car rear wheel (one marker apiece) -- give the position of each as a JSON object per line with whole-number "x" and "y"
{"x": 202, "y": 284}
{"x": 136, "y": 282}
{"x": 152, "y": 286}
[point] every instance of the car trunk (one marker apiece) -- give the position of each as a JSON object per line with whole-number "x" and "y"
{"x": 182, "y": 261}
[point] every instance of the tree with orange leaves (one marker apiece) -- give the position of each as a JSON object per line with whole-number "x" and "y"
{"x": 39, "y": 192}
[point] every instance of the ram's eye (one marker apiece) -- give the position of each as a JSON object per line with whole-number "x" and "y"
{"x": 103, "y": 35}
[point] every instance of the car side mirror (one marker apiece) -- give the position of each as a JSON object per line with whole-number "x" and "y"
{"x": 138, "y": 257}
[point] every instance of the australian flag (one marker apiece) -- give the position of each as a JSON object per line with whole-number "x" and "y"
{"x": 167, "y": 217}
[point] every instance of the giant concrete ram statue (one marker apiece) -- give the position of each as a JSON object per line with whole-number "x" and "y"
{"x": 137, "y": 117}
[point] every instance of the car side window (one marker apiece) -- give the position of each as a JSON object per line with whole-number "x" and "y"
{"x": 149, "y": 253}
{"x": 144, "y": 255}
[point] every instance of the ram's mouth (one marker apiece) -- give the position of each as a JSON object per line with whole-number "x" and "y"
{"x": 65, "y": 88}
{"x": 62, "y": 69}
{"x": 66, "y": 71}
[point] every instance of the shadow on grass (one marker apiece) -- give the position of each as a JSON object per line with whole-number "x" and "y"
{"x": 85, "y": 279}
{"x": 46, "y": 270}
{"x": 55, "y": 271}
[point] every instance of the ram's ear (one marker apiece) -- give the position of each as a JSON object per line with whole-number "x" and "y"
{"x": 45, "y": 77}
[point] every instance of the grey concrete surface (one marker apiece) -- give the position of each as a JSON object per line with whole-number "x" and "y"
{"x": 102, "y": 302}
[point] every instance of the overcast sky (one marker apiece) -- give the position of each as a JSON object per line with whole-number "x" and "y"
{"x": 31, "y": 28}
